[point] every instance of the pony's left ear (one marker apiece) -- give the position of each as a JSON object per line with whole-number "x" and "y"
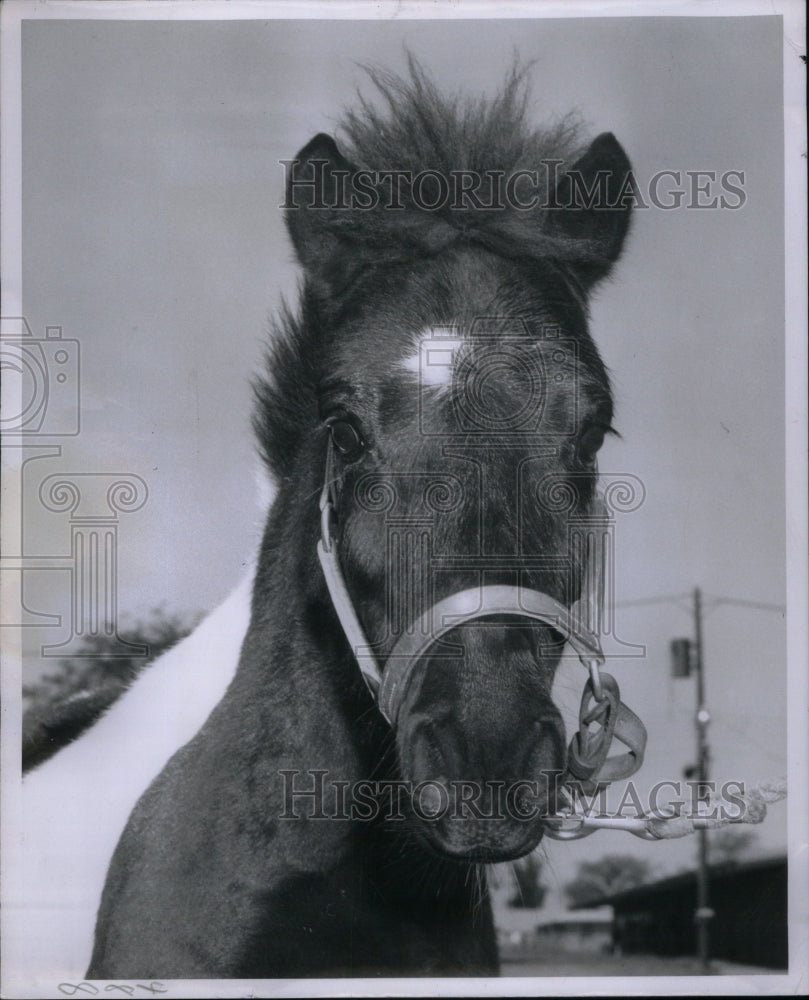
{"x": 594, "y": 202}
{"x": 314, "y": 185}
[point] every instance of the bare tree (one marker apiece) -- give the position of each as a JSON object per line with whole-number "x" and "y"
{"x": 61, "y": 705}
{"x": 530, "y": 892}
{"x": 607, "y": 875}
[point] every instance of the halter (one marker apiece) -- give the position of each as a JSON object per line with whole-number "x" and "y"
{"x": 602, "y": 715}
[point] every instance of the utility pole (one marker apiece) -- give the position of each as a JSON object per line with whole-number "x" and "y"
{"x": 687, "y": 657}
{"x": 703, "y": 912}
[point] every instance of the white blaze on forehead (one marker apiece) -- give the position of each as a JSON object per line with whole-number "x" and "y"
{"x": 433, "y": 359}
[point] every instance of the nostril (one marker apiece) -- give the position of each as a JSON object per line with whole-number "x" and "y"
{"x": 539, "y": 745}
{"x": 431, "y": 799}
{"x": 526, "y": 802}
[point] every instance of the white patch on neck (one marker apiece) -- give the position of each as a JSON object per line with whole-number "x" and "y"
{"x": 266, "y": 486}
{"x": 433, "y": 360}
{"x": 73, "y": 809}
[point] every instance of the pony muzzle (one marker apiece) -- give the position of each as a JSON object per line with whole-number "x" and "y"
{"x": 590, "y": 746}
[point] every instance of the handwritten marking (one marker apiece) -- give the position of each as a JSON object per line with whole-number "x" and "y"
{"x": 129, "y": 989}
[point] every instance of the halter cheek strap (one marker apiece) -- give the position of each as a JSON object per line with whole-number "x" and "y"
{"x": 348, "y": 619}
{"x": 327, "y": 554}
{"x": 602, "y": 715}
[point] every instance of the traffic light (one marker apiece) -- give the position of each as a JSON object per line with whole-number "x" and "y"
{"x": 680, "y": 657}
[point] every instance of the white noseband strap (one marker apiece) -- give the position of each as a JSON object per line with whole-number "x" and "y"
{"x": 448, "y": 614}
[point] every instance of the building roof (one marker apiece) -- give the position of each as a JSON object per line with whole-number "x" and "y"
{"x": 567, "y": 918}
{"x": 726, "y": 870}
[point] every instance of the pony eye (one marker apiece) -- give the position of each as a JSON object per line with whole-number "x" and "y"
{"x": 346, "y": 439}
{"x": 589, "y": 444}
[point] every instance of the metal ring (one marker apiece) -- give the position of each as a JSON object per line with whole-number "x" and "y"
{"x": 594, "y": 666}
{"x": 566, "y": 832}
{"x": 596, "y": 713}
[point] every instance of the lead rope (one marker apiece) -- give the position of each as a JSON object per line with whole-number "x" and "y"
{"x": 574, "y": 821}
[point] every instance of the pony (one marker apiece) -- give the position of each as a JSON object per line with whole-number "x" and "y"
{"x": 333, "y": 814}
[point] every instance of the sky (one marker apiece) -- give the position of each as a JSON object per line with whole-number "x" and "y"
{"x": 152, "y": 235}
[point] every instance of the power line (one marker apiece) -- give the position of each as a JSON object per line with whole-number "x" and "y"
{"x": 714, "y": 602}
{"x": 667, "y": 599}
{"x": 738, "y": 602}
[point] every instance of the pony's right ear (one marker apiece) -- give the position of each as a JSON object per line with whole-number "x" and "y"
{"x": 597, "y": 226}
{"x": 314, "y": 185}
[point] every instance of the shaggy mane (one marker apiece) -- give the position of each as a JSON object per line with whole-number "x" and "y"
{"x": 417, "y": 128}
{"x": 422, "y": 129}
